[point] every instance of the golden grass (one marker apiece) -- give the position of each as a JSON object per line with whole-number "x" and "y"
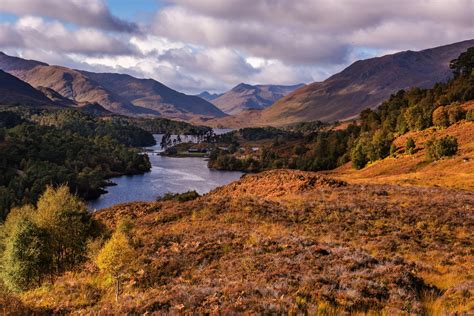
{"x": 453, "y": 172}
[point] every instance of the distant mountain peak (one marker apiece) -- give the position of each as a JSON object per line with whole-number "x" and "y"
{"x": 245, "y": 96}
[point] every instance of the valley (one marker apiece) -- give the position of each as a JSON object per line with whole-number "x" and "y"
{"x": 317, "y": 174}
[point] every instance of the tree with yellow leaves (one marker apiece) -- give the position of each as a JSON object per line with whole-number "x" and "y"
{"x": 116, "y": 257}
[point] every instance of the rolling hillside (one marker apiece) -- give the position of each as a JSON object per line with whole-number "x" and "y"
{"x": 281, "y": 242}
{"x": 154, "y": 96}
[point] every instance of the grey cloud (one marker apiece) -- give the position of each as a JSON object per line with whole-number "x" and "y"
{"x": 88, "y": 13}
{"x": 315, "y": 31}
{"x": 35, "y": 33}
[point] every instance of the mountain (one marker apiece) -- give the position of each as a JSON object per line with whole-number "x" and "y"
{"x": 364, "y": 84}
{"x": 117, "y": 93}
{"x": 14, "y": 90}
{"x": 56, "y": 97}
{"x": 154, "y": 96}
{"x": 247, "y": 97}
{"x": 208, "y": 96}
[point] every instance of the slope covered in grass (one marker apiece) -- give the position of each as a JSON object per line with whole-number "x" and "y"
{"x": 286, "y": 241}
{"x": 418, "y": 169}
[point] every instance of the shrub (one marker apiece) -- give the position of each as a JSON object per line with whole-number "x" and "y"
{"x": 180, "y": 197}
{"x": 470, "y": 115}
{"x": 410, "y": 145}
{"x": 440, "y": 117}
{"x": 444, "y": 147}
{"x": 393, "y": 150}
{"x": 455, "y": 113}
{"x": 359, "y": 156}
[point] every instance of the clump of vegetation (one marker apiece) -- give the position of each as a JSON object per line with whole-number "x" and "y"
{"x": 410, "y": 146}
{"x": 444, "y": 116}
{"x": 470, "y": 115}
{"x": 443, "y": 147}
{"x": 179, "y": 197}
{"x": 39, "y": 243}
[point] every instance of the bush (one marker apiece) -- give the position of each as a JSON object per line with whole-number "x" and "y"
{"x": 359, "y": 157}
{"x": 470, "y": 115}
{"x": 444, "y": 147}
{"x": 410, "y": 146}
{"x": 440, "y": 117}
{"x": 180, "y": 197}
{"x": 455, "y": 113}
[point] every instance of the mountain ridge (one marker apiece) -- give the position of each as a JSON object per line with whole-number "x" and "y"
{"x": 84, "y": 87}
{"x": 365, "y": 84}
{"x": 244, "y": 97}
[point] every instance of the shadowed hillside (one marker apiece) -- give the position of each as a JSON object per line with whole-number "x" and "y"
{"x": 15, "y": 91}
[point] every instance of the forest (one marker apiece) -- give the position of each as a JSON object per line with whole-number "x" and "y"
{"x": 315, "y": 146}
{"x": 52, "y": 147}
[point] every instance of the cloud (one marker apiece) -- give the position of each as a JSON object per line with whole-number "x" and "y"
{"x": 88, "y": 13}
{"x": 213, "y": 45}
{"x": 35, "y": 33}
{"x": 315, "y": 31}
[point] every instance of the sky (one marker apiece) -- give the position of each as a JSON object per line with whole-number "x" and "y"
{"x": 213, "y": 45}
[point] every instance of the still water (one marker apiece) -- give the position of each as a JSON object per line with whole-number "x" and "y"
{"x": 167, "y": 174}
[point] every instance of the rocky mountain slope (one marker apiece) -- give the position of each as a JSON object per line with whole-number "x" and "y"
{"x": 247, "y": 97}
{"x": 111, "y": 91}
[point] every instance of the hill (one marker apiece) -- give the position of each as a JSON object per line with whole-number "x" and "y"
{"x": 364, "y": 84}
{"x": 155, "y": 96}
{"x": 284, "y": 242}
{"x": 16, "y": 91}
{"x": 405, "y": 169}
{"x": 251, "y": 97}
{"x": 149, "y": 97}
